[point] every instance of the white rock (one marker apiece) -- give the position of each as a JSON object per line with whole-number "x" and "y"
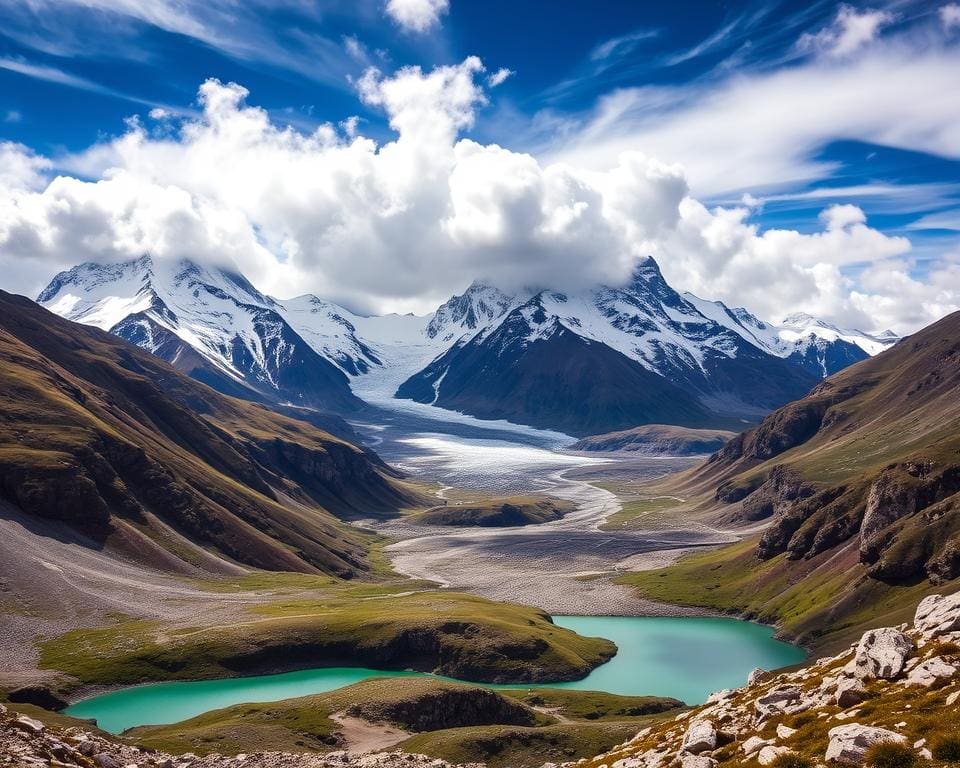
{"x": 755, "y": 744}
{"x": 769, "y": 754}
{"x": 849, "y": 692}
{"x": 776, "y": 701}
{"x": 936, "y": 615}
{"x": 701, "y": 736}
{"x": 754, "y": 677}
{"x": 880, "y": 653}
{"x": 719, "y": 696}
{"x": 920, "y": 743}
{"x": 28, "y": 725}
{"x": 926, "y": 754}
{"x": 783, "y": 732}
{"x": 952, "y": 698}
{"x": 849, "y": 743}
{"x": 930, "y": 672}
{"x": 697, "y": 761}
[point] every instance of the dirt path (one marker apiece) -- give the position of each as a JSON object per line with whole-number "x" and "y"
{"x": 363, "y": 736}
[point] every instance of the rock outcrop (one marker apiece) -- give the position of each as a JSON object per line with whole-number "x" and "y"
{"x": 880, "y": 653}
{"x": 896, "y": 684}
{"x": 849, "y": 743}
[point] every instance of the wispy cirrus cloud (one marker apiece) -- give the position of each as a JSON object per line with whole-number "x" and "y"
{"x": 114, "y": 29}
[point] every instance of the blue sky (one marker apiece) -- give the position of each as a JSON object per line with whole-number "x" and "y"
{"x": 587, "y": 80}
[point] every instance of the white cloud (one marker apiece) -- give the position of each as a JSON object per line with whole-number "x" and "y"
{"x": 402, "y": 225}
{"x": 416, "y": 15}
{"x": 763, "y": 130}
{"x": 499, "y": 77}
{"x": 950, "y": 16}
{"x": 113, "y": 28}
{"x": 849, "y": 31}
{"x": 13, "y": 116}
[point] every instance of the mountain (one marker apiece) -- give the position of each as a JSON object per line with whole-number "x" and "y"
{"x": 141, "y": 459}
{"x": 214, "y": 325}
{"x": 602, "y": 359}
{"x": 532, "y": 369}
{"x": 857, "y": 486}
{"x": 815, "y": 345}
{"x": 609, "y": 359}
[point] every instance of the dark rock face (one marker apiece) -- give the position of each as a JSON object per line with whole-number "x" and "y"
{"x": 447, "y": 708}
{"x": 782, "y": 487}
{"x": 824, "y": 358}
{"x": 39, "y": 696}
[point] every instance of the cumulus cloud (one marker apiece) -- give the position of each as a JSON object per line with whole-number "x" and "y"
{"x": 403, "y": 224}
{"x": 416, "y": 15}
{"x": 850, "y": 30}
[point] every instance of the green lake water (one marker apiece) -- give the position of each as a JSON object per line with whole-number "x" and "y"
{"x": 686, "y": 658}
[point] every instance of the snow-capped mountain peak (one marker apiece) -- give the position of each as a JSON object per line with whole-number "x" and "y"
{"x": 476, "y": 307}
{"x": 212, "y": 321}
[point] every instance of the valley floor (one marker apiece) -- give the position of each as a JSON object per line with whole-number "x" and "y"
{"x": 562, "y": 567}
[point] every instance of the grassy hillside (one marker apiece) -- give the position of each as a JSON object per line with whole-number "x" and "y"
{"x": 657, "y": 439}
{"x": 857, "y": 487}
{"x": 448, "y": 633}
{"x": 146, "y": 461}
{"x": 438, "y": 718}
{"x": 497, "y": 512}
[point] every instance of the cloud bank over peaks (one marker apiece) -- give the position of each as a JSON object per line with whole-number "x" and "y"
{"x": 402, "y": 225}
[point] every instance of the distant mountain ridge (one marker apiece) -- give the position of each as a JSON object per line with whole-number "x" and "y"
{"x": 654, "y": 354}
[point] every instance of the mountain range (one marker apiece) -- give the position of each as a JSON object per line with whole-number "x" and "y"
{"x": 603, "y": 359}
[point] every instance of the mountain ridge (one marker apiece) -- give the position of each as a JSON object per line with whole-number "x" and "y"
{"x": 111, "y": 440}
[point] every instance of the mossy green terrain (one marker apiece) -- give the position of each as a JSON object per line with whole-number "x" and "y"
{"x": 822, "y": 602}
{"x": 452, "y": 634}
{"x": 454, "y": 721}
{"x": 496, "y": 512}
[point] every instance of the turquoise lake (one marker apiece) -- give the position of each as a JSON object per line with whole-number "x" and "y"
{"x": 686, "y": 658}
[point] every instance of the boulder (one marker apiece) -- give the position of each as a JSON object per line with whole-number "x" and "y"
{"x": 701, "y": 736}
{"x": 755, "y": 744}
{"x": 784, "y": 732}
{"x": 28, "y": 725}
{"x": 849, "y": 692}
{"x": 697, "y": 761}
{"x": 718, "y": 696}
{"x": 755, "y": 676}
{"x": 936, "y": 615}
{"x": 776, "y": 701}
{"x": 104, "y": 760}
{"x": 849, "y": 743}
{"x": 769, "y": 754}
{"x": 930, "y": 672}
{"x": 881, "y": 653}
